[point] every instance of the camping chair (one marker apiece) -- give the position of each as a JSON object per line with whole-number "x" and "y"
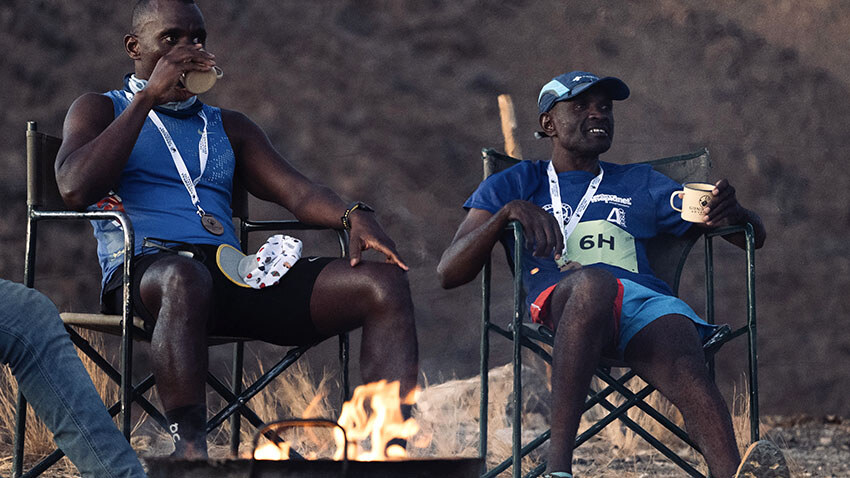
{"x": 45, "y": 203}
{"x": 667, "y": 257}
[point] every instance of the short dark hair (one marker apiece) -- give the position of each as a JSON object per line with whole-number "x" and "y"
{"x": 143, "y": 8}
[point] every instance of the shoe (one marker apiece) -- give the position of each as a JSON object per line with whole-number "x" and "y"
{"x": 763, "y": 459}
{"x": 557, "y": 474}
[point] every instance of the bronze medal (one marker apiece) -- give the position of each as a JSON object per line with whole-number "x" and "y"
{"x": 212, "y": 225}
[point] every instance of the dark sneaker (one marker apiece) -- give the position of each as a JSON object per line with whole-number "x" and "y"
{"x": 763, "y": 459}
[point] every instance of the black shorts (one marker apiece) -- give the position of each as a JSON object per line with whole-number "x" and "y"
{"x": 278, "y": 314}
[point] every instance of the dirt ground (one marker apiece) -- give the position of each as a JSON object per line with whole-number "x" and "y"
{"x": 814, "y": 447}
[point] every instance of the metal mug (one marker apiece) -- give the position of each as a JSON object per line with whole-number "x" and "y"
{"x": 696, "y": 197}
{"x": 198, "y": 82}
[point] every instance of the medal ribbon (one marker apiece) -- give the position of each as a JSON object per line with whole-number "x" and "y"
{"x": 203, "y": 155}
{"x": 555, "y": 193}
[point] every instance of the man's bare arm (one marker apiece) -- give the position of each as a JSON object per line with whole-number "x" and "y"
{"x": 267, "y": 175}
{"x": 96, "y": 144}
{"x": 480, "y": 231}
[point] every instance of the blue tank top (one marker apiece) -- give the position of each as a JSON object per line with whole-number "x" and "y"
{"x": 152, "y": 195}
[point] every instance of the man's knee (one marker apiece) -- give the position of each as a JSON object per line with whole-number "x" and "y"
{"x": 585, "y": 287}
{"x": 585, "y": 298}
{"x": 173, "y": 279}
{"x": 591, "y": 283}
{"x": 388, "y": 286}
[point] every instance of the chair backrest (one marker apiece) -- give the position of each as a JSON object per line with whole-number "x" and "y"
{"x": 239, "y": 200}
{"x": 666, "y": 253}
{"x": 42, "y": 191}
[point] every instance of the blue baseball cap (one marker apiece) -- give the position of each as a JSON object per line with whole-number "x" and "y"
{"x": 569, "y": 85}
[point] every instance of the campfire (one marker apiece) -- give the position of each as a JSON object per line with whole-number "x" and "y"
{"x": 374, "y": 429}
{"x": 372, "y": 425}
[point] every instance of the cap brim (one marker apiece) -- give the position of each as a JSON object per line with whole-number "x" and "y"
{"x": 231, "y": 262}
{"x": 615, "y": 87}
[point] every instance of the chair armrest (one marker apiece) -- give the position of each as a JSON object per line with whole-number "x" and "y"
{"x": 129, "y": 247}
{"x": 121, "y": 217}
{"x": 249, "y": 226}
{"x": 284, "y": 224}
{"x": 749, "y": 248}
{"x": 747, "y": 229}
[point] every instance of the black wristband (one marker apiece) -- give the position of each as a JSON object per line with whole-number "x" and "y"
{"x": 346, "y": 224}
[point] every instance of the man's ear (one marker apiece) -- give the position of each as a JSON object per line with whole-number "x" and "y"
{"x": 131, "y": 46}
{"x": 546, "y": 124}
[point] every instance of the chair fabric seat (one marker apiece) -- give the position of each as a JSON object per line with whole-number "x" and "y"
{"x": 110, "y": 324}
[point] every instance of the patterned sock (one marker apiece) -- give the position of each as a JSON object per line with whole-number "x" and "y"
{"x": 187, "y": 427}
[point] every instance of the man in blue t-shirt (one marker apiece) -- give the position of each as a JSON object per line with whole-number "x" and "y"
{"x": 586, "y": 270}
{"x": 156, "y": 152}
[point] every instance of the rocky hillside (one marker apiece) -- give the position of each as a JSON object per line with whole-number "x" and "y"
{"x": 389, "y": 101}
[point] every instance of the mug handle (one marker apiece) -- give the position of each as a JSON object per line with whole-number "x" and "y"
{"x": 675, "y": 193}
{"x": 218, "y": 72}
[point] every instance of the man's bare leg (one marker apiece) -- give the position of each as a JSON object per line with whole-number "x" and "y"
{"x": 375, "y": 296}
{"x": 582, "y": 308}
{"x": 177, "y": 291}
{"x": 668, "y": 354}
{"x": 372, "y": 295}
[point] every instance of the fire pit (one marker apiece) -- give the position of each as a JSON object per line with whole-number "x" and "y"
{"x": 342, "y": 467}
{"x": 444, "y": 468}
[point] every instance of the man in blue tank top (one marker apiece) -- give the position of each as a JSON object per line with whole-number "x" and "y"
{"x": 600, "y": 296}
{"x": 155, "y": 151}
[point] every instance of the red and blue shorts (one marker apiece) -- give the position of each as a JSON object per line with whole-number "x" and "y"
{"x": 634, "y": 308}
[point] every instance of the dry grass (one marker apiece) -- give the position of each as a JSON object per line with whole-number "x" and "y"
{"x": 39, "y": 439}
{"x": 295, "y": 394}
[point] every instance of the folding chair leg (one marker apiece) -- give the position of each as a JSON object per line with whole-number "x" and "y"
{"x": 256, "y": 387}
{"x": 44, "y": 464}
{"x": 20, "y": 435}
{"x": 236, "y": 381}
{"x": 484, "y": 369}
{"x": 231, "y": 398}
{"x": 620, "y": 414}
{"x": 344, "y": 354}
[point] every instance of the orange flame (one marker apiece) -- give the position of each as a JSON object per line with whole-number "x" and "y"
{"x": 270, "y": 451}
{"x": 384, "y": 424}
{"x": 373, "y": 414}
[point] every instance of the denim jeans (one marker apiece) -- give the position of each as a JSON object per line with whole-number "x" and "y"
{"x": 52, "y": 378}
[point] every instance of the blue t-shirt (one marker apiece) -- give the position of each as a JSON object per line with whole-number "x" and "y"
{"x": 151, "y": 193}
{"x": 631, "y": 206}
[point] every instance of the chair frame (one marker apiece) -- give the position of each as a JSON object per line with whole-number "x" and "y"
{"x": 522, "y": 335}
{"x": 44, "y": 203}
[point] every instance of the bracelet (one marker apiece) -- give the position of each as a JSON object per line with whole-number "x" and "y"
{"x": 346, "y": 224}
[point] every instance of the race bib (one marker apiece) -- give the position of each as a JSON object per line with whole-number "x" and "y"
{"x": 600, "y": 241}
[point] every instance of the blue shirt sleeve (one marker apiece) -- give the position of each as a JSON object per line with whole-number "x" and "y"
{"x": 667, "y": 219}
{"x": 501, "y": 188}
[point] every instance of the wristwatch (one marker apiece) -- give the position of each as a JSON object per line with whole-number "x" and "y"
{"x": 346, "y": 224}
